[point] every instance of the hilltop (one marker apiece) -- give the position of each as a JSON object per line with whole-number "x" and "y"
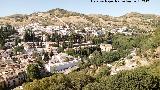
{"x": 146, "y": 22}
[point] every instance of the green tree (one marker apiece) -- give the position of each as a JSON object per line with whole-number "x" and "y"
{"x": 40, "y": 62}
{"x": 51, "y": 54}
{"x": 94, "y": 86}
{"x": 80, "y": 79}
{"x": 138, "y": 79}
{"x": 60, "y": 49}
{"x": 17, "y": 40}
{"x": 18, "y": 49}
{"x": 103, "y": 71}
{"x": 46, "y": 56}
{"x": 55, "y": 82}
{"x": 70, "y": 52}
{"x": 33, "y": 71}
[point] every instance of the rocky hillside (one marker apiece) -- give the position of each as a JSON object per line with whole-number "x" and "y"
{"x": 58, "y": 16}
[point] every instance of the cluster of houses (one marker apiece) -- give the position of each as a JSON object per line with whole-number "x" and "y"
{"x": 95, "y": 31}
{"x": 38, "y": 29}
{"x": 122, "y": 30}
{"x": 61, "y": 30}
{"x": 13, "y": 66}
{"x": 11, "y": 74}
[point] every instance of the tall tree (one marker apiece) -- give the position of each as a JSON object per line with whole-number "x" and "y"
{"x": 33, "y": 71}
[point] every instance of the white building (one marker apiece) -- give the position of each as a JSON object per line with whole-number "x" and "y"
{"x": 106, "y": 47}
{"x": 59, "y": 63}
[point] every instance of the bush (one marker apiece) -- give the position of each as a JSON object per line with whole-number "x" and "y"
{"x": 138, "y": 79}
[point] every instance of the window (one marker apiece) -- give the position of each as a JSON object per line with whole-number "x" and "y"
{"x": 8, "y": 83}
{"x": 14, "y": 82}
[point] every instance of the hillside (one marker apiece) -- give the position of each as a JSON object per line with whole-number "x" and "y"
{"x": 76, "y": 20}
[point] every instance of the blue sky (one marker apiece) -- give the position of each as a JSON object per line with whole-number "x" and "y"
{"x": 10, "y": 7}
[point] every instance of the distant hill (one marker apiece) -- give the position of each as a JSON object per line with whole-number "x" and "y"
{"x": 79, "y": 21}
{"x": 17, "y": 16}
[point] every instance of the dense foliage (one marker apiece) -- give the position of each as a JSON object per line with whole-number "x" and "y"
{"x": 82, "y": 52}
{"x": 5, "y": 32}
{"x": 98, "y": 58}
{"x": 33, "y": 71}
{"x": 139, "y": 79}
{"x": 73, "y": 81}
{"x": 143, "y": 78}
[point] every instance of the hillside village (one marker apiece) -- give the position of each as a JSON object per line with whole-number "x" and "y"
{"x": 20, "y": 50}
{"x": 31, "y": 43}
